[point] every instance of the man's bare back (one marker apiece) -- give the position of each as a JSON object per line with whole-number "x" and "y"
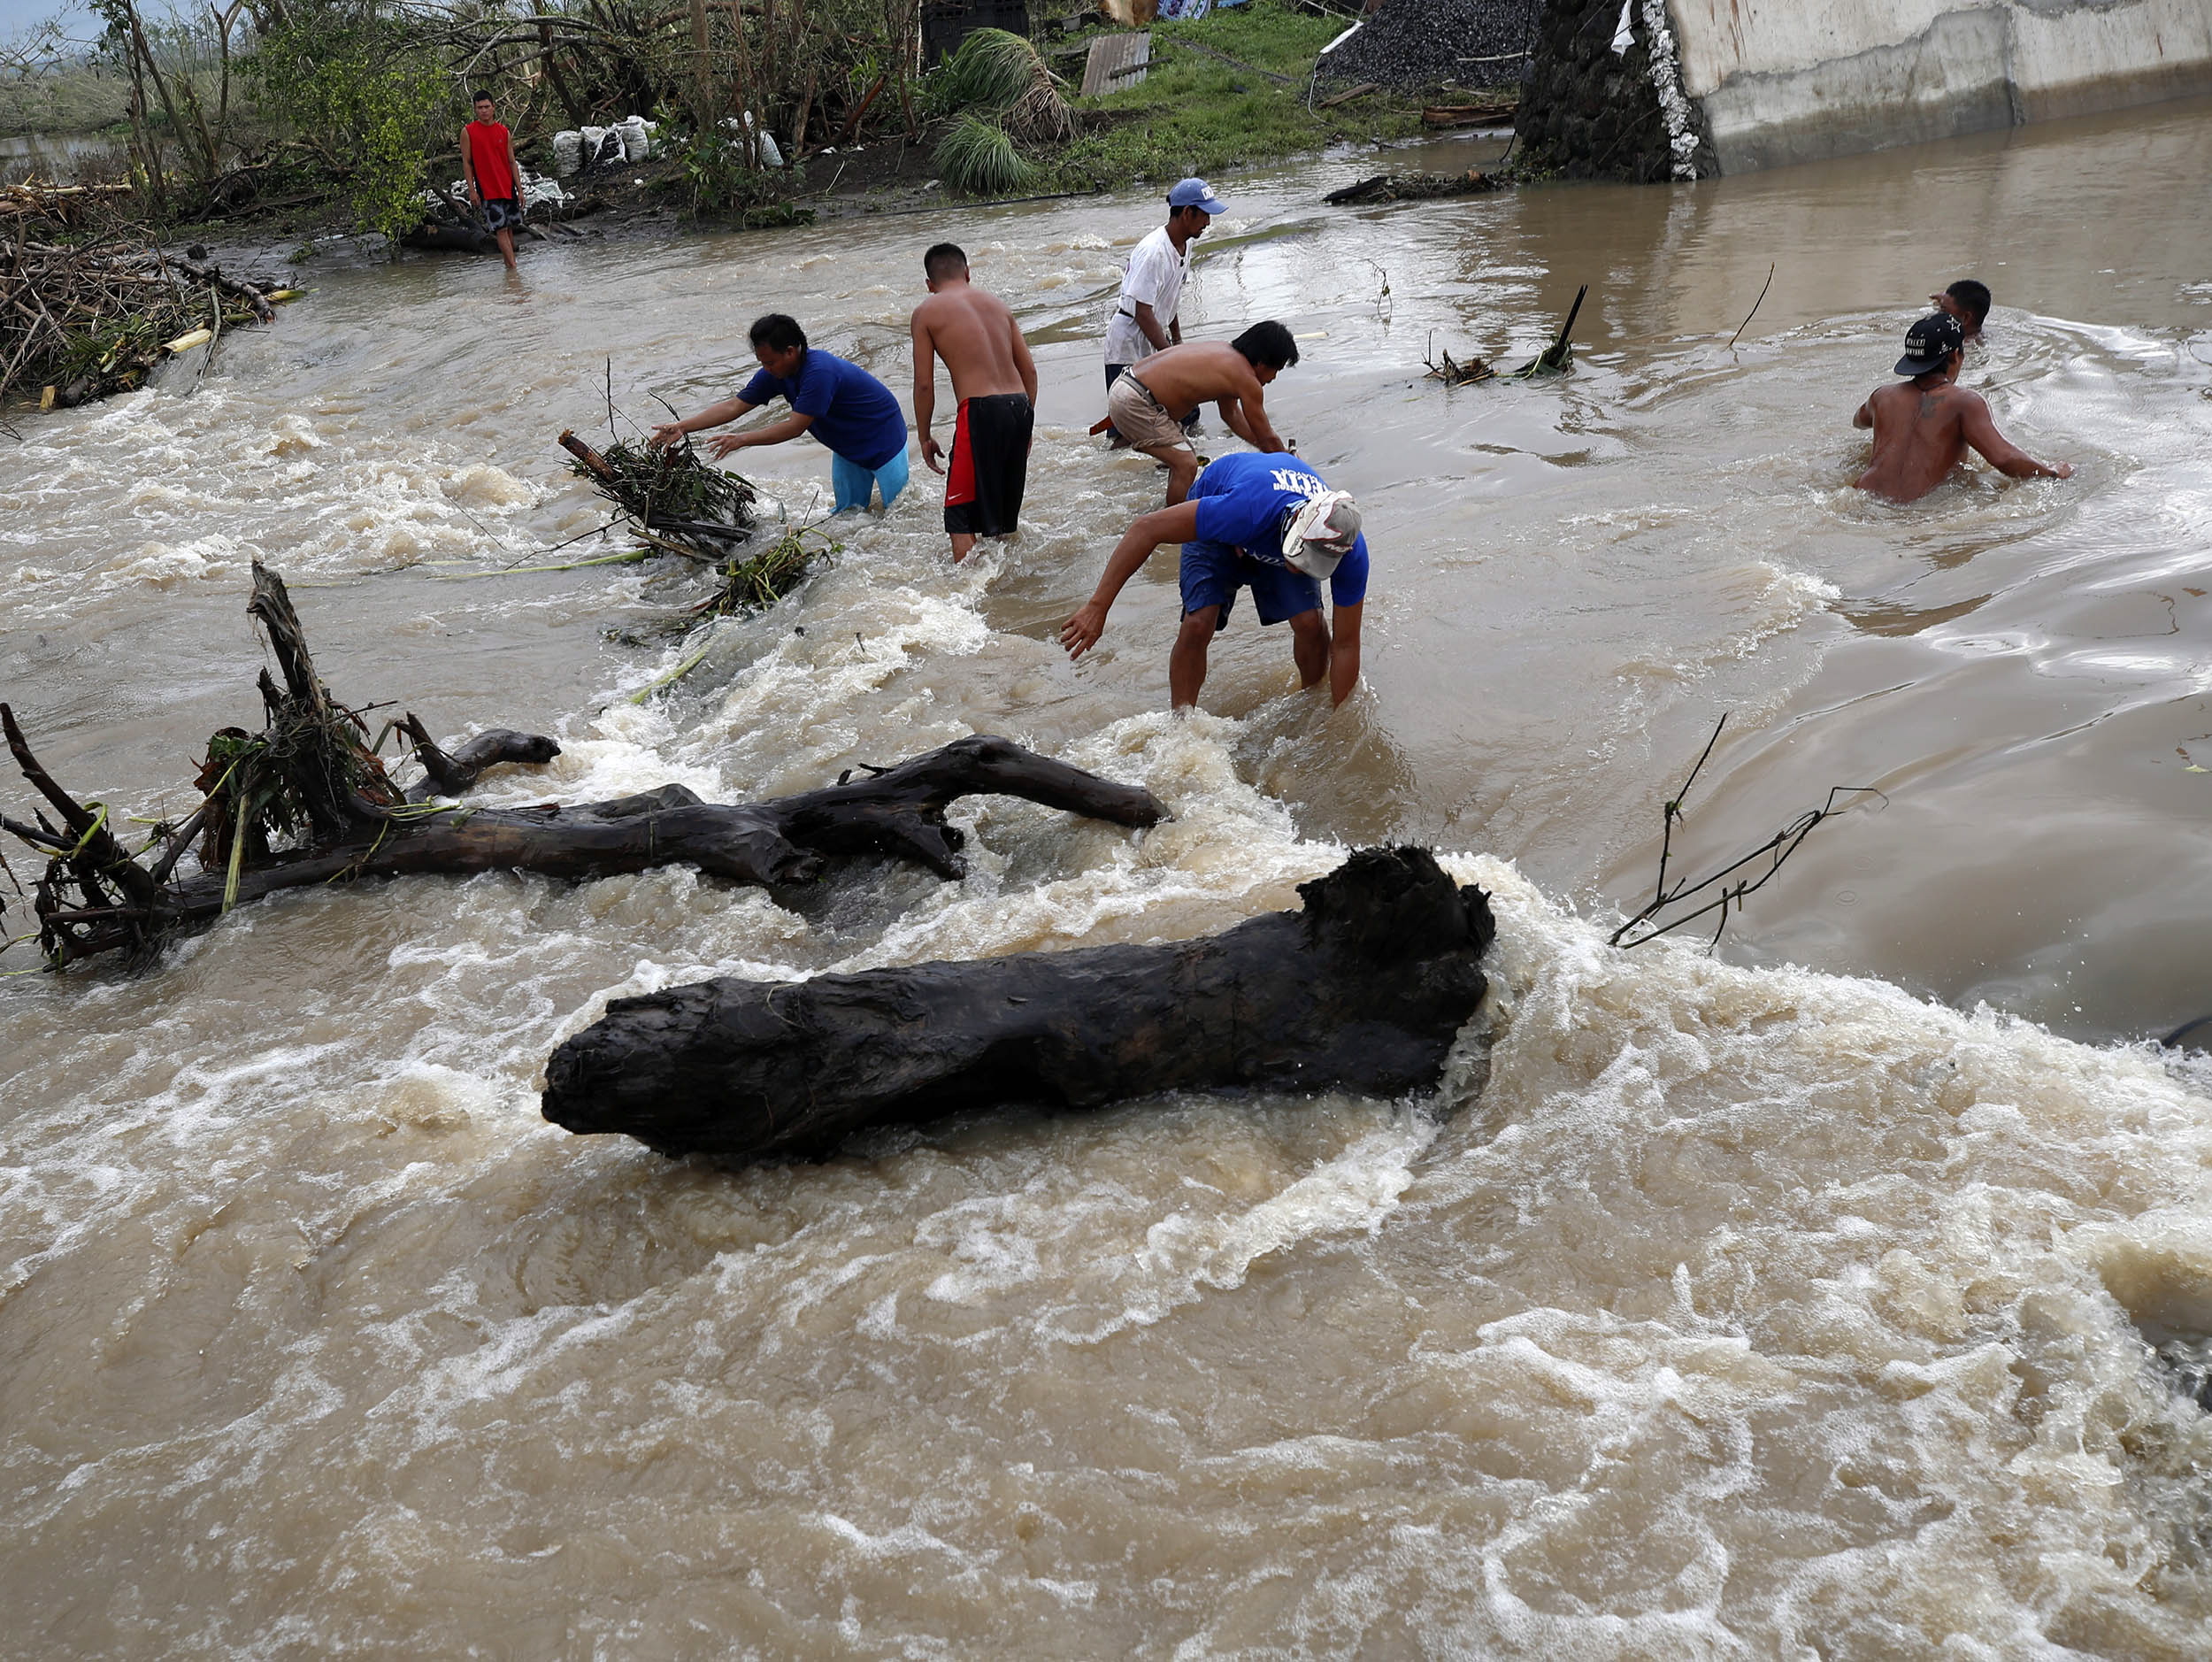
{"x": 1923, "y": 427}
{"x": 1200, "y": 372}
{"x": 975, "y": 333}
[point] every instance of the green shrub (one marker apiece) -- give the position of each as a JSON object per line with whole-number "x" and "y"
{"x": 978, "y": 158}
{"x": 997, "y": 74}
{"x": 366, "y": 99}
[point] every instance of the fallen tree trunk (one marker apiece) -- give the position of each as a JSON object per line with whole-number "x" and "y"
{"x": 1363, "y": 989}
{"x": 309, "y": 777}
{"x": 1415, "y": 187}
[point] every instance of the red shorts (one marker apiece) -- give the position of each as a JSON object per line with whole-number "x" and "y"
{"x": 990, "y": 465}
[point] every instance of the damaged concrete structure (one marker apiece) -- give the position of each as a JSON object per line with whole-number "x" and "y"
{"x": 1686, "y": 88}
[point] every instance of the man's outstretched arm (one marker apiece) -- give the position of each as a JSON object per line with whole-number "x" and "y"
{"x": 713, "y": 416}
{"x": 1979, "y": 429}
{"x": 1246, "y": 415}
{"x": 1180, "y": 524}
{"x": 774, "y": 433}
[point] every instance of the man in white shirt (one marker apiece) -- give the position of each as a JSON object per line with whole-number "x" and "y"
{"x": 1145, "y": 319}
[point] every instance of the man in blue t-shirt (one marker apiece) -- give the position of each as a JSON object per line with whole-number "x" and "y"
{"x": 840, "y": 403}
{"x": 1261, "y": 520}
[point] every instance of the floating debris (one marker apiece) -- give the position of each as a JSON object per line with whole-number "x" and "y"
{"x": 1559, "y": 354}
{"x": 1415, "y": 187}
{"x": 1453, "y": 373}
{"x": 680, "y": 502}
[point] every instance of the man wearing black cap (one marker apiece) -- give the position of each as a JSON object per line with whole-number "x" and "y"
{"x": 1922, "y": 428}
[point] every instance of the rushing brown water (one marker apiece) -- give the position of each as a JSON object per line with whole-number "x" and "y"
{"x": 1798, "y": 1301}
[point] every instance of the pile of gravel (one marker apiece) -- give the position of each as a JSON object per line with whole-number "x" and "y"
{"x": 1412, "y": 43}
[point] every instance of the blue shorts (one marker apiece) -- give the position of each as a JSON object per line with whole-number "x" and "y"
{"x": 1213, "y": 573}
{"x": 856, "y": 485}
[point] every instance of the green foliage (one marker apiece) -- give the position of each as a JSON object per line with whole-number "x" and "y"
{"x": 757, "y": 583}
{"x": 713, "y": 177}
{"x": 998, "y": 74}
{"x": 976, "y": 157}
{"x": 991, "y": 70}
{"x": 1194, "y": 114}
{"x": 367, "y": 96}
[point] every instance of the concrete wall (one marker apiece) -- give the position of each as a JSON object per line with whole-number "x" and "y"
{"x": 1791, "y": 81}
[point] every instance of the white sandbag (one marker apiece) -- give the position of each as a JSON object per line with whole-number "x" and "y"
{"x": 568, "y": 154}
{"x": 538, "y": 191}
{"x": 770, "y": 153}
{"x": 637, "y": 143}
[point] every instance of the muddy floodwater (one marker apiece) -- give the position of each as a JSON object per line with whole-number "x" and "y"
{"x": 1803, "y": 1299}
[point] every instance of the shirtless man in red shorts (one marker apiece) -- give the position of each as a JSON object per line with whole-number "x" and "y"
{"x": 1923, "y": 426}
{"x": 995, "y": 384}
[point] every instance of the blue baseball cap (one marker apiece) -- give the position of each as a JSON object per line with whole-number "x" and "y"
{"x": 1196, "y": 193}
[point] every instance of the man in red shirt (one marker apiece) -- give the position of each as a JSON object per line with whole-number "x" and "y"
{"x": 488, "y": 162}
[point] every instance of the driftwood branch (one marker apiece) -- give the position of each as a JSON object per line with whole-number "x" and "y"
{"x": 306, "y": 802}
{"x": 1732, "y": 883}
{"x": 1364, "y": 989}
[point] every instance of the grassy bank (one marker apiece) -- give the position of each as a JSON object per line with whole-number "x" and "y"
{"x": 1194, "y": 114}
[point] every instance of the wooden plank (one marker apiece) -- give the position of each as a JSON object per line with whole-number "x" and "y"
{"x": 1469, "y": 115}
{"x": 1346, "y": 96}
{"x": 1117, "y": 61}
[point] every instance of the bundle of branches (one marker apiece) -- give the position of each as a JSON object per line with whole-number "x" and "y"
{"x": 679, "y": 502}
{"x": 755, "y": 583}
{"x": 1453, "y": 373}
{"x": 56, "y": 205}
{"x": 90, "y": 318}
{"x": 307, "y": 802}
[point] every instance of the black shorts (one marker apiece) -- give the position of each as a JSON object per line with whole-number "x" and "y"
{"x": 502, "y": 212}
{"x": 989, "y": 466}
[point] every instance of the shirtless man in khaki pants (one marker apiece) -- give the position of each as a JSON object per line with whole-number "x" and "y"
{"x": 1148, "y": 405}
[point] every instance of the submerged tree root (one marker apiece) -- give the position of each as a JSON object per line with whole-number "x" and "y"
{"x": 308, "y": 802}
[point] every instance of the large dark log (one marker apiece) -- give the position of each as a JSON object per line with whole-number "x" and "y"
{"x": 1363, "y": 989}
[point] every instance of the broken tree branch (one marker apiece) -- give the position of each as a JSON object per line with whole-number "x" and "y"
{"x": 1776, "y": 850}
{"x": 307, "y": 802}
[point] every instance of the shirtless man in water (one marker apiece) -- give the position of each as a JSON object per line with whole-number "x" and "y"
{"x": 1148, "y": 405}
{"x": 995, "y": 385}
{"x": 1922, "y": 427}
